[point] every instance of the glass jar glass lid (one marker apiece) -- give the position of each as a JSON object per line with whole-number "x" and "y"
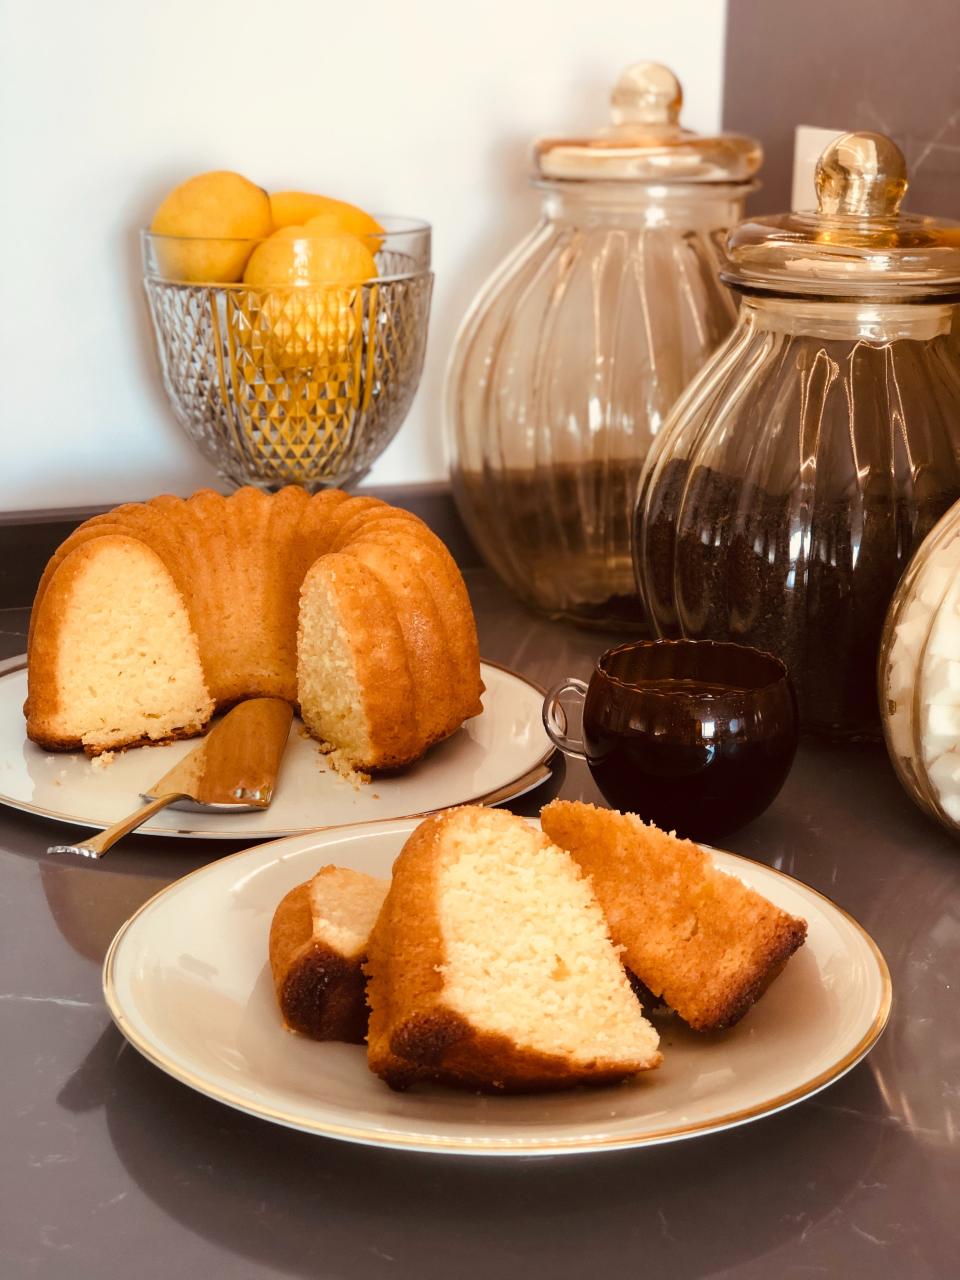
{"x": 857, "y": 244}
{"x": 645, "y": 142}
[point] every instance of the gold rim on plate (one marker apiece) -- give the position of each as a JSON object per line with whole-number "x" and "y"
{"x": 502, "y": 1146}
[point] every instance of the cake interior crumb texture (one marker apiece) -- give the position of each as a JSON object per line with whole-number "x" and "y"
{"x": 331, "y": 700}
{"x": 132, "y": 669}
{"x": 527, "y": 950}
{"x": 345, "y": 905}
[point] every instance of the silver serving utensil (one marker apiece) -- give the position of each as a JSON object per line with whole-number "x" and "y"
{"x": 233, "y": 770}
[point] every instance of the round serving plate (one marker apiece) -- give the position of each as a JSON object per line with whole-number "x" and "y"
{"x": 496, "y": 756}
{"x": 187, "y": 982}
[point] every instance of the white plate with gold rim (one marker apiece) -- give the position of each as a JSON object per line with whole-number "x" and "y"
{"x": 187, "y": 982}
{"x": 496, "y": 756}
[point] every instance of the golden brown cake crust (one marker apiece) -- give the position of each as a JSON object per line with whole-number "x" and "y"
{"x": 320, "y": 992}
{"x": 239, "y": 563}
{"x": 74, "y": 744}
{"x": 413, "y": 1035}
{"x": 443, "y": 1048}
{"x": 696, "y": 937}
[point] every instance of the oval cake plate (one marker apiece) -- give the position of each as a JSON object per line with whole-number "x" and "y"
{"x": 187, "y": 982}
{"x": 497, "y": 755}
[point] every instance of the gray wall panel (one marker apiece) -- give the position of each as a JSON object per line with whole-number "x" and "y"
{"x": 892, "y": 66}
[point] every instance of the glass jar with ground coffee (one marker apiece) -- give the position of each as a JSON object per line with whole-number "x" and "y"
{"x": 571, "y": 356}
{"x": 815, "y": 451}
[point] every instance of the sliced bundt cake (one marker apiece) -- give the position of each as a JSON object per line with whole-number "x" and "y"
{"x": 491, "y": 966}
{"x": 693, "y": 935}
{"x": 154, "y": 615}
{"x": 318, "y": 944}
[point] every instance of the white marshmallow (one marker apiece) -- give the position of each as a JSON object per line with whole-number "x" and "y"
{"x": 942, "y": 682}
{"x": 934, "y": 582}
{"x": 912, "y": 630}
{"x": 944, "y": 772}
{"x": 942, "y": 722}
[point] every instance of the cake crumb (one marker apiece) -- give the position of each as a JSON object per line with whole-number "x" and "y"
{"x": 331, "y": 760}
{"x": 104, "y": 760}
{"x": 356, "y": 777}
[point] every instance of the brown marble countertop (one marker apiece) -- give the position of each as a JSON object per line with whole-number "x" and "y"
{"x": 109, "y": 1168}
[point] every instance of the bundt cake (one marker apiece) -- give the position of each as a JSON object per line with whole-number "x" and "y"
{"x": 318, "y": 944}
{"x": 153, "y": 616}
{"x": 693, "y": 935}
{"x": 491, "y": 966}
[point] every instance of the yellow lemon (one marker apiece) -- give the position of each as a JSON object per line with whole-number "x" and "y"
{"x": 297, "y": 255}
{"x": 312, "y": 304}
{"x": 297, "y": 208}
{"x": 226, "y": 212}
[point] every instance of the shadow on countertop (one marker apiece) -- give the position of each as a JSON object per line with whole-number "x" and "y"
{"x": 308, "y": 1206}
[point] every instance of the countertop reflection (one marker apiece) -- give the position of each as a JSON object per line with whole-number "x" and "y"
{"x": 107, "y": 1160}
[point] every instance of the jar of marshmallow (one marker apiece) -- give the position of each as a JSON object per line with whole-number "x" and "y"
{"x": 920, "y": 674}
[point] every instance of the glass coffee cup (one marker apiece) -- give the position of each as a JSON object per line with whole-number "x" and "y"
{"x": 694, "y": 736}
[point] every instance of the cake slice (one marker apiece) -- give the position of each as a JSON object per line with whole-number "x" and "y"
{"x": 355, "y": 684}
{"x": 491, "y": 966}
{"x": 114, "y": 661}
{"x": 696, "y": 937}
{"x": 318, "y": 943}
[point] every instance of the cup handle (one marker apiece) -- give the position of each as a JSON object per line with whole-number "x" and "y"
{"x": 555, "y": 718}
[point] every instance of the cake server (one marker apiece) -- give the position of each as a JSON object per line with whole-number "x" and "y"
{"x": 233, "y": 770}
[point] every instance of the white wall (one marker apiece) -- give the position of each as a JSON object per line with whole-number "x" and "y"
{"x": 425, "y": 107}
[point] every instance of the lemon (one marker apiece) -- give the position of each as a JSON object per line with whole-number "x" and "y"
{"x": 312, "y": 300}
{"x": 298, "y": 255}
{"x": 298, "y": 208}
{"x": 225, "y": 212}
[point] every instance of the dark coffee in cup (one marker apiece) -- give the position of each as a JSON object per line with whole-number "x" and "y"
{"x": 694, "y": 736}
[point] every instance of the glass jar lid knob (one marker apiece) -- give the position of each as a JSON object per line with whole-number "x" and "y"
{"x": 646, "y": 93}
{"x": 861, "y": 175}
{"x": 646, "y": 144}
{"x": 858, "y": 245}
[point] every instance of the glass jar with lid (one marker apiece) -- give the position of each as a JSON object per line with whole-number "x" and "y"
{"x": 820, "y": 444}
{"x": 920, "y": 674}
{"x": 568, "y": 361}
